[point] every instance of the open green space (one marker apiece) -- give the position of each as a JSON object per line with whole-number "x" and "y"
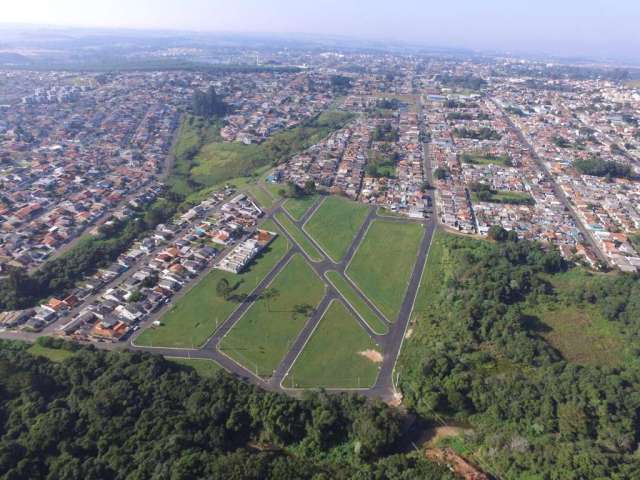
{"x": 202, "y": 160}
{"x": 339, "y": 354}
{"x": 303, "y": 242}
{"x": 382, "y": 266}
{"x": 335, "y": 224}
{"x": 262, "y": 197}
{"x": 480, "y": 158}
{"x": 196, "y": 315}
{"x": 482, "y": 192}
{"x": 360, "y": 306}
{"x": 53, "y": 354}
{"x": 267, "y": 330}
{"x": 203, "y": 367}
{"x": 297, "y": 207}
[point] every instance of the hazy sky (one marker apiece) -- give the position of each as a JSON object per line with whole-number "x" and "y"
{"x": 593, "y": 27}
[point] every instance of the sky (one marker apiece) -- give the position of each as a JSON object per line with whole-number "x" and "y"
{"x": 595, "y": 28}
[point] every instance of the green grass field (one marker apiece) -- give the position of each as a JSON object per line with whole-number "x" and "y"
{"x": 203, "y": 367}
{"x": 297, "y": 207}
{"x": 302, "y": 241}
{"x": 347, "y": 291}
{"x": 53, "y": 354}
{"x": 335, "y": 224}
{"x": 383, "y": 264}
{"x": 485, "y": 159}
{"x": 507, "y": 197}
{"x": 332, "y": 358}
{"x": 262, "y": 197}
{"x": 196, "y": 315}
{"x": 267, "y": 330}
{"x": 211, "y": 162}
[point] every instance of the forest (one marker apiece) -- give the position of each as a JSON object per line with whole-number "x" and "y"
{"x": 477, "y": 357}
{"x": 113, "y": 415}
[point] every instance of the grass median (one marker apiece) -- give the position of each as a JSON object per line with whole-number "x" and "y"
{"x": 300, "y": 238}
{"x": 360, "y": 306}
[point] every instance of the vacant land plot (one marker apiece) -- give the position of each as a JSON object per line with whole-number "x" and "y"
{"x": 582, "y": 335}
{"x": 480, "y": 158}
{"x": 383, "y": 264}
{"x": 339, "y": 354}
{"x": 335, "y": 224}
{"x": 266, "y": 332}
{"x": 202, "y": 366}
{"x": 297, "y": 207}
{"x": 347, "y": 291}
{"x": 196, "y": 316}
{"x": 303, "y": 242}
{"x": 262, "y": 197}
{"x": 503, "y": 196}
{"x": 53, "y": 354}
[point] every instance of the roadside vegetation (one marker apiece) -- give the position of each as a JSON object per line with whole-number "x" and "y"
{"x": 359, "y": 305}
{"x": 525, "y": 351}
{"x": 299, "y": 237}
{"x": 202, "y": 366}
{"x": 339, "y": 354}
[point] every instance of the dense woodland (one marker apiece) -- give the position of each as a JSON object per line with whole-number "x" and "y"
{"x": 602, "y": 168}
{"x": 476, "y": 356}
{"x": 108, "y": 415}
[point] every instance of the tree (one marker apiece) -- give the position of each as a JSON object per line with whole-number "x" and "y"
{"x": 309, "y": 187}
{"x": 497, "y": 233}
{"x": 208, "y": 104}
{"x": 223, "y": 289}
{"x": 440, "y": 173}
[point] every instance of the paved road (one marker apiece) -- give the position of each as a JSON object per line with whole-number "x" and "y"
{"x": 556, "y": 188}
{"x": 391, "y": 343}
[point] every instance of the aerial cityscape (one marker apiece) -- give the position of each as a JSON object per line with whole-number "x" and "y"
{"x": 284, "y": 255}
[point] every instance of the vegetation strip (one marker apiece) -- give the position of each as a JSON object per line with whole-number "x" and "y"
{"x": 299, "y": 237}
{"x": 359, "y": 305}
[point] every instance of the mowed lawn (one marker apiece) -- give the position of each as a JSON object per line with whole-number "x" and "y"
{"x": 262, "y": 197}
{"x": 297, "y": 207}
{"x": 382, "y": 266}
{"x": 196, "y": 315}
{"x": 202, "y": 366}
{"x": 303, "y": 242}
{"x": 335, "y": 357}
{"x": 360, "y": 306}
{"x": 335, "y": 224}
{"x": 267, "y": 330}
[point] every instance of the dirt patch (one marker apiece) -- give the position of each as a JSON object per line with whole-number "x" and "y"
{"x": 431, "y": 436}
{"x": 373, "y": 355}
{"x": 459, "y": 465}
